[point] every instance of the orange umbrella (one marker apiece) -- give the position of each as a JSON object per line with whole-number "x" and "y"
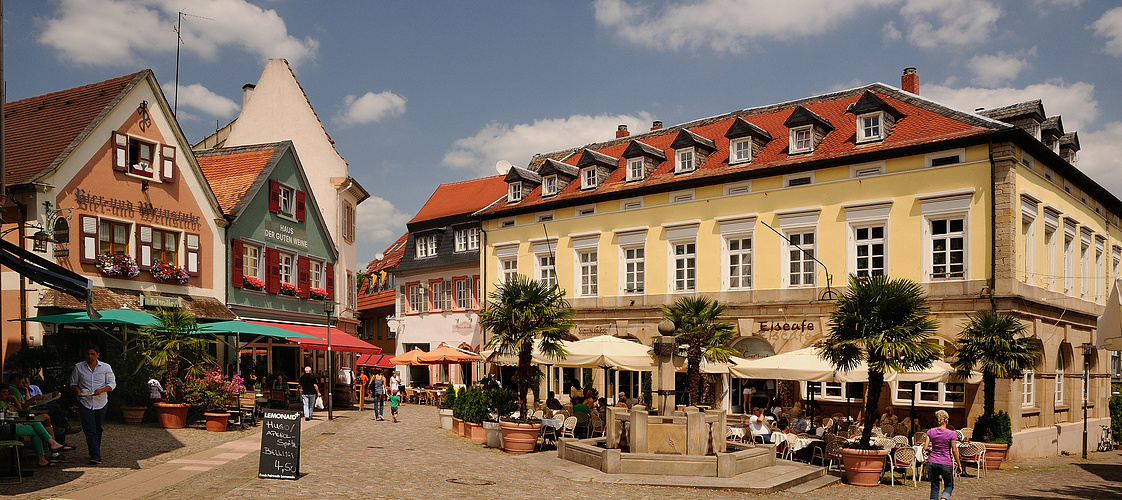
{"x": 445, "y": 355}
{"x": 409, "y": 358}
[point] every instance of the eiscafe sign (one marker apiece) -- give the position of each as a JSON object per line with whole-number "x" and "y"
{"x": 788, "y": 329}
{"x": 286, "y": 234}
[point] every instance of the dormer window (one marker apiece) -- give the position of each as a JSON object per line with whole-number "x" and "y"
{"x": 588, "y": 178}
{"x": 514, "y": 192}
{"x": 520, "y": 182}
{"x": 549, "y": 185}
{"x": 870, "y": 128}
{"x": 685, "y": 161}
{"x": 801, "y": 140}
{"x": 740, "y": 150}
{"x": 636, "y": 168}
{"x": 745, "y": 141}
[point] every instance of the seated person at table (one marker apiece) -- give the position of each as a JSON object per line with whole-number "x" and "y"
{"x": 552, "y": 402}
{"x": 575, "y": 393}
{"x": 56, "y": 419}
{"x": 761, "y": 433}
{"x": 819, "y": 429}
{"x": 777, "y": 410}
{"x": 800, "y": 423}
{"x": 581, "y": 406}
{"x": 621, "y": 400}
{"x": 781, "y": 421}
{"x": 18, "y": 398}
{"x": 888, "y": 417}
{"x": 34, "y": 430}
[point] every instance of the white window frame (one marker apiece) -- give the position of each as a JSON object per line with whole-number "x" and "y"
{"x": 681, "y": 234}
{"x": 833, "y": 391}
{"x": 425, "y": 246}
{"x": 798, "y": 222}
{"x": 416, "y": 302}
{"x": 588, "y": 272}
{"x": 685, "y": 160}
{"x": 286, "y": 206}
{"x": 683, "y": 196}
{"x": 863, "y": 132}
{"x": 1051, "y": 249}
{"x": 144, "y": 169}
{"x": 737, "y": 230}
{"x": 870, "y": 241}
{"x": 865, "y": 216}
{"x": 636, "y": 275}
{"x": 514, "y": 192}
{"x": 467, "y": 239}
{"x": 737, "y": 149}
{"x": 631, "y": 203}
{"x": 1069, "y": 259}
{"x": 507, "y": 261}
{"x": 789, "y": 178}
{"x": 1058, "y": 397}
{"x": 944, "y": 394}
{"x": 1028, "y": 389}
{"x": 793, "y": 145}
{"x": 507, "y": 223}
{"x": 508, "y": 267}
{"x": 315, "y": 274}
{"x": 463, "y": 294}
{"x": 588, "y": 178}
{"x": 636, "y": 169}
{"x": 945, "y": 207}
{"x": 546, "y": 268}
{"x": 1116, "y": 262}
{"x": 738, "y": 188}
{"x": 937, "y": 156}
{"x": 1029, "y": 209}
{"x": 1099, "y": 251}
{"x": 871, "y": 169}
{"x": 286, "y": 265}
{"x": 549, "y": 185}
{"x": 1085, "y": 242}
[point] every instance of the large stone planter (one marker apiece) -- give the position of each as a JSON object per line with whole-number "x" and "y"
{"x": 458, "y": 426}
{"x": 863, "y": 467}
{"x": 446, "y": 419}
{"x": 216, "y": 421}
{"x": 172, "y": 415}
{"x": 474, "y": 432}
{"x": 518, "y": 437}
{"x": 995, "y": 454}
{"x": 494, "y": 434}
{"x": 134, "y": 414}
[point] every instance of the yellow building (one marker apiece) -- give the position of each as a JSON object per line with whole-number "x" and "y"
{"x": 769, "y": 209}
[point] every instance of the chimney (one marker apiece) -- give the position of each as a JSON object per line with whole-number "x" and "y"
{"x": 910, "y": 81}
{"x": 657, "y": 125}
{"x": 247, "y": 91}
{"x": 621, "y": 131}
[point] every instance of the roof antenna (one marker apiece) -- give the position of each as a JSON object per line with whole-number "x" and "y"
{"x": 179, "y": 41}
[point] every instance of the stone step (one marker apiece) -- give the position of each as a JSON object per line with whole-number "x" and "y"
{"x": 782, "y": 476}
{"x": 812, "y": 485}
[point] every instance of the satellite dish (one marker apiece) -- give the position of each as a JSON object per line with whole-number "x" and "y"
{"x": 503, "y": 166}
{"x": 379, "y": 256}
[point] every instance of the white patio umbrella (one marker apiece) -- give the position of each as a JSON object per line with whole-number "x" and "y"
{"x": 1108, "y": 331}
{"x": 803, "y": 364}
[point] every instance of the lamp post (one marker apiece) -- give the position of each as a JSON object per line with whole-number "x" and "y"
{"x": 1088, "y": 350}
{"x": 329, "y": 309}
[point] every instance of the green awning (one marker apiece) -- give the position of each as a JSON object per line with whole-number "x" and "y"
{"x": 108, "y": 316}
{"x": 238, "y": 326}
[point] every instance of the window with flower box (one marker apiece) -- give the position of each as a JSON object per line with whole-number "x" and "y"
{"x": 165, "y": 246}
{"x": 113, "y": 237}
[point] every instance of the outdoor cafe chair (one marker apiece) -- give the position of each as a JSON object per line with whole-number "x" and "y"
{"x": 883, "y": 442}
{"x": 903, "y": 457}
{"x": 597, "y": 426}
{"x": 569, "y": 427}
{"x": 888, "y": 430}
{"x": 919, "y": 438}
{"x": 546, "y": 434}
{"x": 901, "y": 441}
{"x": 829, "y": 454}
{"x": 539, "y": 414}
{"x": 967, "y": 433}
{"x": 584, "y": 421}
{"x": 788, "y": 452}
{"x": 854, "y": 430}
{"x": 973, "y": 453}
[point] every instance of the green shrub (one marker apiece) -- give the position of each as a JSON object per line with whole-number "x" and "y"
{"x": 1116, "y": 417}
{"x": 449, "y": 398}
{"x": 458, "y": 402}
{"x": 474, "y": 406}
{"x": 1002, "y": 428}
{"x": 500, "y": 403}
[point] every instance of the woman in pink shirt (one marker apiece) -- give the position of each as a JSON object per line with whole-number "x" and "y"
{"x": 942, "y": 455}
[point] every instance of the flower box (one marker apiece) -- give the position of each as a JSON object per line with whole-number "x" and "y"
{"x": 252, "y": 283}
{"x": 164, "y": 271}
{"x": 120, "y": 265}
{"x": 317, "y": 294}
{"x": 289, "y": 289}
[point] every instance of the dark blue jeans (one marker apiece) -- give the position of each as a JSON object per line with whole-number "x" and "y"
{"x": 92, "y": 421}
{"x": 379, "y": 405}
{"x": 935, "y": 472}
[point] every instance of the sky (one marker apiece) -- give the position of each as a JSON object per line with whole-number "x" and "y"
{"x": 416, "y": 94}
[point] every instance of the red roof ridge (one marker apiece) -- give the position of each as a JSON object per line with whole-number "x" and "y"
{"x": 453, "y": 199}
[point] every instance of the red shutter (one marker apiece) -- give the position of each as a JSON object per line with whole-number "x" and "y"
{"x": 167, "y": 162}
{"x": 274, "y": 196}
{"x": 236, "y": 263}
{"x": 330, "y": 271}
{"x": 272, "y": 270}
{"x": 303, "y": 270}
{"x": 193, "y": 247}
{"x": 120, "y": 148}
{"x": 144, "y": 246}
{"x": 300, "y": 206}
{"x": 89, "y": 238}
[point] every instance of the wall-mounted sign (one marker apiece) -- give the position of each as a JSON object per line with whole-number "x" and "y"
{"x": 150, "y": 301}
{"x": 802, "y": 330}
{"x": 89, "y": 201}
{"x": 592, "y": 330}
{"x": 753, "y": 348}
{"x": 146, "y": 209}
{"x": 463, "y": 327}
{"x": 295, "y": 236}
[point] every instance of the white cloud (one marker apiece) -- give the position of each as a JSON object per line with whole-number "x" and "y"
{"x": 378, "y": 223}
{"x": 935, "y": 23}
{"x": 1100, "y": 155}
{"x": 518, "y": 143}
{"x": 114, "y": 32}
{"x": 201, "y": 98}
{"x": 891, "y": 32}
{"x": 724, "y": 25}
{"x": 993, "y": 69}
{"x": 371, "y": 107}
{"x": 1110, "y": 26}
{"x": 1076, "y": 101}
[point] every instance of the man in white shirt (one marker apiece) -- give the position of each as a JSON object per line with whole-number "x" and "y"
{"x": 761, "y": 433}
{"x": 800, "y": 424}
{"x": 93, "y": 380}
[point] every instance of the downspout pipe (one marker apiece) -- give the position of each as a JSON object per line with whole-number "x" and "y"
{"x": 993, "y": 228}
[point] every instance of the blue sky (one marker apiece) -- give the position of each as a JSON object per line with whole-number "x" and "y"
{"x": 420, "y": 93}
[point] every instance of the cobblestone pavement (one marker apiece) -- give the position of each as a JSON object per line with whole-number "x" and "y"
{"x": 356, "y": 457}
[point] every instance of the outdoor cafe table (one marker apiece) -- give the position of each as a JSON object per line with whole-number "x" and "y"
{"x": 9, "y": 423}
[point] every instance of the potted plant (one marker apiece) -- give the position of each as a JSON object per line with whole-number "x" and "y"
{"x": 474, "y": 412}
{"x": 998, "y": 344}
{"x": 119, "y": 265}
{"x": 164, "y": 271}
{"x": 458, "y": 411}
{"x": 500, "y": 403}
{"x": 213, "y": 392}
{"x": 289, "y": 289}
{"x": 172, "y": 342}
{"x": 885, "y": 323}
{"x": 317, "y": 294}
{"x": 696, "y": 326}
{"x": 132, "y": 385}
{"x": 522, "y": 313}
{"x": 446, "y": 412}
{"x": 251, "y": 283}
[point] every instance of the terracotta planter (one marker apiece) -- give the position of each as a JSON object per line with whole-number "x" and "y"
{"x": 458, "y": 426}
{"x": 474, "y": 432}
{"x": 863, "y": 467}
{"x": 493, "y": 433}
{"x": 519, "y": 438}
{"x": 995, "y": 454}
{"x": 446, "y": 419}
{"x": 134, "y": 414}
{"x": 172, "y": 415}
{"x": 216, "y": 422}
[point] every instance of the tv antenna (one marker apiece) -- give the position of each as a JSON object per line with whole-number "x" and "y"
{"x": 179, "y": 41}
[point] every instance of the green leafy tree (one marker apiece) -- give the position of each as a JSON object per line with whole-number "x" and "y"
{"x": 885, "y": 323}
{"x": 523, "y": 311}
{"x": 698, "y": 327}
{"x": 174, "y": 342}
{"x": 998, "y": 345}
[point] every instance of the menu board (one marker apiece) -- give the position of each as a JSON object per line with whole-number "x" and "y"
{"x": 280, "y": 445}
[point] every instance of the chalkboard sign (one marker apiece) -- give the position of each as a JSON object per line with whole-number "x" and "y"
{"x": 280, "y": 445}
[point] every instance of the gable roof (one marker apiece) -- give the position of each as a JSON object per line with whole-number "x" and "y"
{"x": 39, "y": 132}
{"x": 1033, "y": 108}
{"x": 803, "y": 116}
{"x": 462, "y": 198}
{"x": 552, "y": 166}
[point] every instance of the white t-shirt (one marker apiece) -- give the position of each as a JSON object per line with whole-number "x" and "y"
{"x": 758, "y": 426}
{"x": 395, "y": 384}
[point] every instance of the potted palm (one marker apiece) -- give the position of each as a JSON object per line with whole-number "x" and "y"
{"x": 173, "y": 341}
{"x": 699, "y": 330}
{"x": 997, "y": 344}
{"x": 446, "y": 404}
{"x": 213, "y": 392}
{"x": 132, "y": 385}
{"x": 500, "y": 404}
{"x": 523, "y": 312}
{"x": 885, "y": 323}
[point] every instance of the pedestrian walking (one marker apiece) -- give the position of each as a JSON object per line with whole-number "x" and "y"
{"x": 379, "y": 395}
{"x": 92, "y": 380}
{"x": 395, "y": 382}
{"x": 394, "y": 400}
{"x": 309, "y": 392}
{"x": 942, "y": 456}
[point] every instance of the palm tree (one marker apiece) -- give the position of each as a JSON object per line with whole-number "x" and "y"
{"x": 998, "y": 345}
{"x": 523, "y": 311}
{"x": 697, "y": 326}
{"x": 885, "y": 323}
{"x": 173, "y": 341}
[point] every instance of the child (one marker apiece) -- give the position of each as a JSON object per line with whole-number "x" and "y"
{"x": 394, "y": 398}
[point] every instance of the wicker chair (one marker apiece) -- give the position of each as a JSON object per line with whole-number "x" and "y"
{"x": 902, "y": 430}
{"x": 903, "y": 457}
{"x": 973, "y": 453}
{"x": 967, "y": 433}
{"x": 919, "y": 438}
{"x": 828, "y": 455}
{"x": 888, "y": 430}
{"x": 901, "y": 441}
{"x": 569, "y": 428}
{"x": 789, "y": 450}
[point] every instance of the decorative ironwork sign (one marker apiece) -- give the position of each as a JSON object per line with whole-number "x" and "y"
{"x": 145, "y": 117}
{"x": 147, "y": 209}
{"x": 151, "y": 301}
{"x": 88, "y": 200}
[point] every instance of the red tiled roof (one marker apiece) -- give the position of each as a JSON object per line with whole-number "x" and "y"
{"x": 38, "y": 130}
{"x": 384, "y": 298}
{"x": 391, "y": 257}
{"x": 923, "y": 122}
{"x": 459, "y": 198}
{"x": 231, "y": 172}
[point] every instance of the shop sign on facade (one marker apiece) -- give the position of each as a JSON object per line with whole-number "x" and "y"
{"x": 592, "y": 330}
{"x": 803, "y": 330}
{"x": 284, "y": 233}
{"x": 753, "y": 348}
{"x": 151, "y": 301}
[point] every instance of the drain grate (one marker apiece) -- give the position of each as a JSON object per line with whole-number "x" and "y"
{"x": 376, "y": 447}
{"x": 470, "y": 482}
